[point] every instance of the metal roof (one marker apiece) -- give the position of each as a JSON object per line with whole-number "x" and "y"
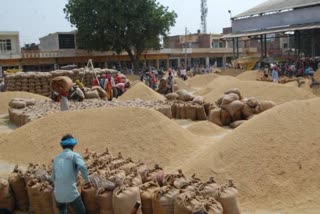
{"x": 273, "y": 30}
{"x": 277, "y": 5}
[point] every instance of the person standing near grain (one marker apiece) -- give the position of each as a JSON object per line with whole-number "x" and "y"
{"x": 275, "y": 74}
{"x": 64, "y": 176}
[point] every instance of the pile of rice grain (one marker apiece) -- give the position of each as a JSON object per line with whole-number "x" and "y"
{"x": 278, "y": 93}
{"x": 136, "y": 132}
{"x": 250, "y": 75}
{"x": 206, "y": 128}
{"x": 5, "y": 98}
{"x": 143, "y": 92}
{"x": 201, "y": 80}
{"x": 274, "y": 158}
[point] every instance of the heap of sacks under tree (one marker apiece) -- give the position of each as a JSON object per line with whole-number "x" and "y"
{"x": 119, "y": 184}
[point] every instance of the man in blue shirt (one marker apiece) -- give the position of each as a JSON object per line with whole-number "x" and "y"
{"x": 64, "y": 176}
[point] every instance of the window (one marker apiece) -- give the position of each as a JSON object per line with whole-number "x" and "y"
{"x": 218, "y": 44}
{"x": 5, "y": 45}
{"x": 285, "y": 45}
{"x": 66, "y": 41}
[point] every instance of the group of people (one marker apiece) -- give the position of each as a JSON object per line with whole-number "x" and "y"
{"x": 114, "y": 87}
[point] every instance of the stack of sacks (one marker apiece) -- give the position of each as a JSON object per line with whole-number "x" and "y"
{"x": 120, "y": 184}
{"x": 39, "y": 82}
{"x": 233, "y": 109}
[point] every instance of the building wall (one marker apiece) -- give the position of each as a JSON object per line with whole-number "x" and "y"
{"x": 15, "y": 43}
{"x": 49, "y": 43}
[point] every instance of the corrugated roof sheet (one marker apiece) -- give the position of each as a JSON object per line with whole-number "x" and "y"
{"x": 277, "y": 5}
{"x": 273, "y": 30}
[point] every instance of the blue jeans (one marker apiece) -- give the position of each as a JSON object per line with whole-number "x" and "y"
{"x": 77, "y": 205}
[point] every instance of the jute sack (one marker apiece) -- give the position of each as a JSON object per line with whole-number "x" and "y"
{"x": 61, "y": 84}
{"x": 166, "y": 111}
{"x": 219, "y": 101}
{"x": 237, "y": 116}
{"x": 102, "y": 93}
{"x": 174, "y": 110}
{"x": 18, "y": 186}
{"x": 229, "y": 98}
{"x": 124, "y": 199}
{"x": 183, "y": 111}
{"x": 233, "y": 107}
{"x": 252, "y": 102}
{"x": 184, "y": 95}
{"x": 163, "y": 200}
{"x": 92, "y": 94}
{"x": 185, "y": 203}
{"x": 45, "y": 195}
{"x": 266, "y": 105}
{"x": 6, "y": 197}
{"x": 227, "y": 196}
{"x": 235, "y": 91}
{"x": 104, "y": 201}
{"x": 215, "y": 116}
{"x": 146, "y": 192}
{"x": 172, "y": 96}
{"x": 178, "y": 111}
{"x": 226, "y": 118}
{"x": 191, "y": 112}
{"x": 89, "y": 199}
{"x": 238, "y": 123}
{"x": 17, "y": 104}
{"x": 247, "y": 111}
{"x": 210, "y": 206}
{"x": 208, "y": 107}
{"x": 33, "y": 189}
{"x": 198, "y": 99}
{"x": 201, "y": 113}
{"x": 157, "y": 174}
{"x": 209, "y": 188}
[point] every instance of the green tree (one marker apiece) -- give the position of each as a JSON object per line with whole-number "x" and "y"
{"x": 120, "y": 25}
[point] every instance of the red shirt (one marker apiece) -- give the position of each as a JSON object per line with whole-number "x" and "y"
{"x": 119, "y": 79}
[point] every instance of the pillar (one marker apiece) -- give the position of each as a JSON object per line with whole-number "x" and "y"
{"x": 158, "y": 64}
{"x": 233, "y": 48}
{"x": 167, "y": 64}
{"x": 179, "y": 62}
{"x": 261, "y": 43}
{"x": 207, "y": 62}
{"x": 238, "y": 48}
{"x": 265, "y": 46}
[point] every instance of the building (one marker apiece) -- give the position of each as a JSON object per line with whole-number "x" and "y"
{"x": 60, "y": 49}
{"x": 294, "y": 25}
{"x": 9, "y": 49}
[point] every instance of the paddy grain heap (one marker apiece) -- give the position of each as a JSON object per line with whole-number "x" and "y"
{"x": 143, "y": 92}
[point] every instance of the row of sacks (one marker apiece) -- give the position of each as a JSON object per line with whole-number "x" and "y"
{"x": 233, "y": 109}
{"x": 39, "y": 82}
{"x": 120, "y": 184}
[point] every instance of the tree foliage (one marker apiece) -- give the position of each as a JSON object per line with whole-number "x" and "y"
{"x": 120, "y": 25}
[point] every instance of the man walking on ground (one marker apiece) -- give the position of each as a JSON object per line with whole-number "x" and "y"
{"x": 64, "y": 176}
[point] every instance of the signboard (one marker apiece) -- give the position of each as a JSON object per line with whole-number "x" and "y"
{"x": 188, "y": 39}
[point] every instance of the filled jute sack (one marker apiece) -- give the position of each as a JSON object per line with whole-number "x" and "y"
{"x": 45, "y": 195}
{"x": 215, "y": 116}
{"x": 198, "y": 100}
{"x": 166, "y": 111}
{"x": 125, "y": 198}
{"x": 226, "y": 118}
{"x": 172, "y": 96}
{"x": 229, "y": 98}
{"x": 184, "y": 95}
{"x": 104, "y": 201}
{"x": 247, "y": 111}
{"x": 210, "y": 188}
{"x": 92, "y": 94}
{"x": 89, "y": 199}
{"x": 227, "y": 196}
{"x": 266, "y": 105}
{"x": 61, "y": 84}
{"x": 18, "y": 186}
{"x": 190, "y": 202}
{"x": 235, "y": 91}
{"x": 210, "y": 206}
{"x": 219, "y": 101}
{"x": 191, "y": 112}
{"x": 163, "y": 200}
{"x": 174, "y": 110}
{"x": 156, "y": 174}
{"x": 234, "y": 107}
{"x": 17, "y": 104}
{"x": 6, "y": 197}
{"x": 102, "y": 93}
{"x": 146, "y": 193}
{"x": 201, "y": 113}
{"x": 33, "y": 189}
{"x": 183, "y": 111}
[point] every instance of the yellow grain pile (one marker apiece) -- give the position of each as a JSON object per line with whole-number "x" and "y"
{"x": 278, "y": 93}
{"x": 141, "y": 91}
{"x": 317, "y": 75}
{"x": 201, "y": 80}
{"x": 205, "y": 128}
{"x": 139, "y": 133}
{"x": 182, "y": 85}
{"x": 250, "y": 75}
{"x": 5, "y": 98}
{"x": 306, "y": 86}
{"x": 274, "y": 158}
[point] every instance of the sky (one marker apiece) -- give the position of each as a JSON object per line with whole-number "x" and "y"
{"x": 37, "y": 18}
